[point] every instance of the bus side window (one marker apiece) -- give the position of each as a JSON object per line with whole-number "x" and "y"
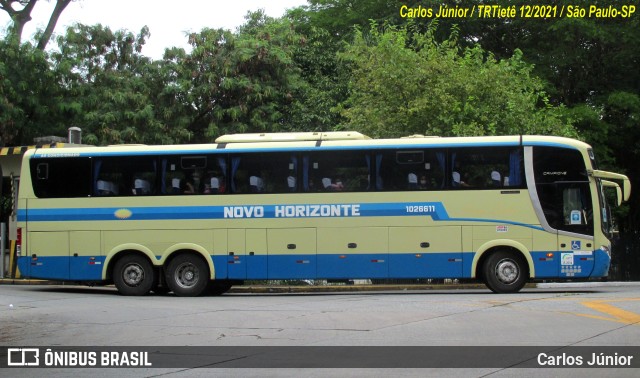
{"x": 120, "y": 176}
{"x": 347, "y": 171}
{"x": 61, "y": 177}
{"x": 485, "y": 168}
{"x": 264, "y": 173}
{"x": 401, "y": 170}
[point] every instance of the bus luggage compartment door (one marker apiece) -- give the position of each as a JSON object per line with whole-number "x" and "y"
{"x": 353, "y": 252}
{"x": 236, "y": 255}
{"x": 49, "y": 255}
{"x": 292, "y": 253}
{"x": 425, "y": 252}
{"x": 85, "y": 262}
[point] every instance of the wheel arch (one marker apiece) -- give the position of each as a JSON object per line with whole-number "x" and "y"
{"x": 123, "y": 250}
{"x": 490, "y": 247}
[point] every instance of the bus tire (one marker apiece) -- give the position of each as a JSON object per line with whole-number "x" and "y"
{"x": 133, "y": 275}
{"x": 187, "y": 275}
{"x": 505, "y": 272}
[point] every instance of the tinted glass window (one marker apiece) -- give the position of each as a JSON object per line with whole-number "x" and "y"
{"x": 264, "y": 173}
{"x": 61, "y": 177}
{"x": 186, "y": 174}
{"x": 552, "y": 164}
{"x": 485, "y": 168}
{"x": 343, "y": 171}
{"x": 125, "y": 176}
{"x": 410, "y": 170}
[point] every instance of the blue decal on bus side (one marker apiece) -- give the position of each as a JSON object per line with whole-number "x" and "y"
{"x": 435, "y": 210}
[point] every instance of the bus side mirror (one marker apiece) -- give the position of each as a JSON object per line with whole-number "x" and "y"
{"x": 611, "y": 184}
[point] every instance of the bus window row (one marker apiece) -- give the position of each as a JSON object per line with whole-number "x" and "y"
{"x": 282, "y": 172}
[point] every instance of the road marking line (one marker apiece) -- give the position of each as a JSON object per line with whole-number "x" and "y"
{"x": 616, "y": 314}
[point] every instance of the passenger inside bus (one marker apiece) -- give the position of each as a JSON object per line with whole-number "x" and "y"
{"x": 423, "y": 182}
{"x": 189, "y": 187}
{"x": 330, "y": 186}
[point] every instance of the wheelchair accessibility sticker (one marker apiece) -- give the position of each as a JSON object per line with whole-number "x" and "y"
{"x": 576, "y": 245}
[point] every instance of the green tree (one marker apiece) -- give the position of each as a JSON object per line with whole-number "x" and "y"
{"x": 327, "y": 77}
{"x": 112, "y": 90}
{"x": 241, "y": 82}
{"x": 29, "y": 95}
{"x": 406, "y": 82}
{"x": 338, "y": 17}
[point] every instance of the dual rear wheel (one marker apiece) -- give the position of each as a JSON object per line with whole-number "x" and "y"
{"x": 187, "y": 275}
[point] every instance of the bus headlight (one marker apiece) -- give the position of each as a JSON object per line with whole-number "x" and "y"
{"x": 607, "y": 249}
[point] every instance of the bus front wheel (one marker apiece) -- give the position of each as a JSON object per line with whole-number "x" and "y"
{"x": 505, "y": 272}
{"x": 187, "y": 275}
{"x": 133, "y": 275}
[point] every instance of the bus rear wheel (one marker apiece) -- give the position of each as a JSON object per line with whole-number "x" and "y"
{"x": 504, "y": 272}
{"x": 133, "y": 275}
{"x": 187, "y": 275}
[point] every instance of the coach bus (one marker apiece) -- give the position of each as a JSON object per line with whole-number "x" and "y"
{"x": 196, "y": 219}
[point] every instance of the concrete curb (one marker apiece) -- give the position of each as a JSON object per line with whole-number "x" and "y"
{"x": 356, "y": 288}
{"x": 295, "y": 289}
{"x": 351, "y": 288}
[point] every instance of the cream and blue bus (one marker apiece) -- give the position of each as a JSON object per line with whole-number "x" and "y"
{"x": 195, "y": 219}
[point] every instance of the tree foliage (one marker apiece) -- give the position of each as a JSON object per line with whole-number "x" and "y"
{"x": 407, "y": 82}
{"x": 29, "y": 94}
{"x": 241, "y": 82}
{"x": 111, "y": 89}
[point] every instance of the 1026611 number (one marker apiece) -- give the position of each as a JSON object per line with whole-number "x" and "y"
{"x": 420, "y": 209}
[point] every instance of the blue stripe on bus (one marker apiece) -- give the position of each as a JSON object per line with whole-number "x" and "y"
{"x": 435, "y": 210}
{"x": 323, "y": 266}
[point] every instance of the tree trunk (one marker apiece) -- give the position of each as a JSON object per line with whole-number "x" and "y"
{"x": 53, "y": 20}
{"x": 19, "y": 18}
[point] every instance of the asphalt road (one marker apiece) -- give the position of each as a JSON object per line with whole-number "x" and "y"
{"x": 597, "y": 315}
